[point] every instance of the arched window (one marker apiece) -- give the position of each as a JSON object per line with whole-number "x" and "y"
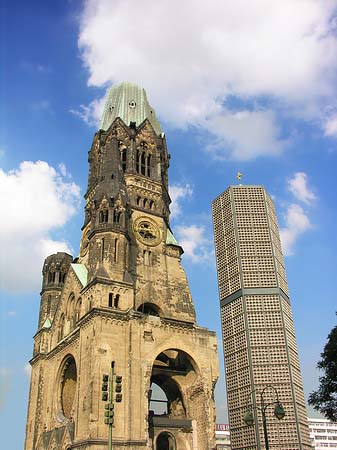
{"x": 143, "y": 160}
{"x": 149, "y": 308}
{"x": 148, "y": 166}
{"x": 71, "y": 311}
{"x": 117, "y": 216}
{"x": 147, "y": 258}
{"x": 110, "y": 300}
{"x": 60, "y": 332}
{"x": 123, "y": 159}
{"x": 78, "y": 309}
{"x": 116, "y": 301}
{"x": 165, "y": 441}
{"x": 116, "y": 250}
{"x": 103, "y": 216}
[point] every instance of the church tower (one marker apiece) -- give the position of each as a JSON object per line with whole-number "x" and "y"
{"x": 118, "y": 358}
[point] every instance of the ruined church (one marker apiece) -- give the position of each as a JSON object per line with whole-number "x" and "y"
{"x": 119, "y": 360}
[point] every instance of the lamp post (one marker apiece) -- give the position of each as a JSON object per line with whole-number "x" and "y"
{"x": 278, "y": 411}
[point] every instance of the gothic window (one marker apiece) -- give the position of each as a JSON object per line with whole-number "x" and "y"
{"x": 123, "y": 159}
{"x": 117, "y": 216}
{"x": 51, "y": 277}
{"x": 113, "y": 300}
{"x": 116, "y": 301}
{"x": 116, "y": 250}
{"x": 71, "y": 311}
{"x": 144, "y": 203}
{"x": 143, "y": 160}
{"x": 138, "y": 201}
{"x": 147, "y": 258}
{"x": 110, "y": 300}
{"x": 60, "y": 332}
{"x": 103, "y": 216}
{"x": 102, "y": 249}
{"x": 151, "y": 205}
{"x": 148, "y": 165}
{"x": 78, "y": 310}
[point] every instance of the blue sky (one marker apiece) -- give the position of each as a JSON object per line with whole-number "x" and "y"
{"x": 249, "y": 88}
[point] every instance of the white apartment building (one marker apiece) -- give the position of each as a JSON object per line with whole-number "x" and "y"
{"x": 323, "y": 434}
{"x": 222, "y": 436}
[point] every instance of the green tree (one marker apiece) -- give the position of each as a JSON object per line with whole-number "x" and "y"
{"x": 324, "y": 399}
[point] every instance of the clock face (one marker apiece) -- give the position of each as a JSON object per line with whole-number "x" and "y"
{"x": 147, "y": 231}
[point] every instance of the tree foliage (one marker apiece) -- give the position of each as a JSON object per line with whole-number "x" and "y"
{"x": 324, "y": 399}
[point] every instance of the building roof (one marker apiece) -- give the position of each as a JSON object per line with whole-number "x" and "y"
{"x": 129, "y": 102}
{"x": 81, "y": 272}
{"x": 47, "y": 323}
{"x": 170, "y": 239}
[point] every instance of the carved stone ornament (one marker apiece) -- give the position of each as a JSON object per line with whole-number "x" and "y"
{"x": 147, "y": 231}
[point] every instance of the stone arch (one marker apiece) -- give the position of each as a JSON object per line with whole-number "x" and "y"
{"x": 150, "y": 309}
{"x": 175, "y": 372}
{"x": 165, "y": 441}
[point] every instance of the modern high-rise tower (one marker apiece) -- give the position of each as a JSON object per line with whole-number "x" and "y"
{"x": 117, "y": 338}
{"x": 259, "y": 342}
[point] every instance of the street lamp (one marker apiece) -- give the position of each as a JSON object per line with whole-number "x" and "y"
{"x": 278, "y": 411}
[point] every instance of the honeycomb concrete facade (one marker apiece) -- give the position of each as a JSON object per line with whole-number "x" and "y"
{"x": 257, "y": 325}
{"x": 125, "y": 300}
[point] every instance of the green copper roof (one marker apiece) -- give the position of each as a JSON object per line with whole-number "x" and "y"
{"x": 128, "y": 102}
{"x": 81, "y": 272}
{"x": 47, "y": 323}
{"x": 170, "y": 239}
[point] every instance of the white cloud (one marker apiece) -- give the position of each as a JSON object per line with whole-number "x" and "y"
{"x": 177, "y": 194}
{"x": 297, "y": 222}
{"x": 192, "y": 239}
{"x": 244, "y": 135}
{"x": 36, "y": 200}
{"x": 92, "y": 113}
{"x": 298, "y": 185}
{"x": 27, "y": 370}
{"x": 330, "y": 126}
{"x": 271, "y": 55}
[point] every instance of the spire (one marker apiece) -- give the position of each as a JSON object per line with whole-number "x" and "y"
{"x": 129, "y": 102}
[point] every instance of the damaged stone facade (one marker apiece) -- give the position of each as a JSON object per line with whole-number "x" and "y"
{"x": 125, "y": 300}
